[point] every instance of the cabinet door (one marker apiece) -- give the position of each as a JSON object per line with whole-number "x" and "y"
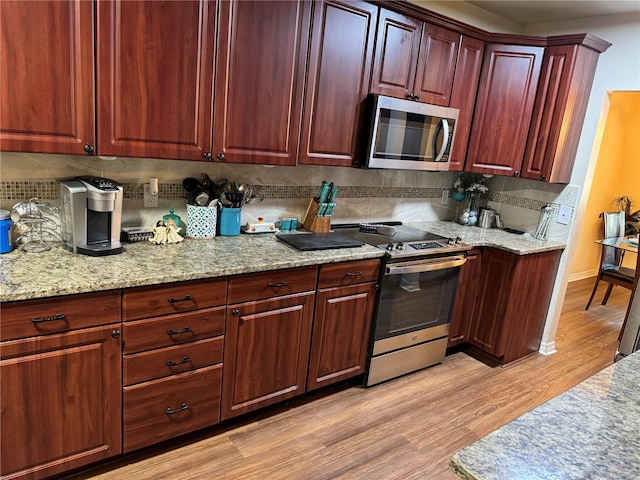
{"x": 155, "y": 78}
{"x": 46, "y": 79}
{"x": 262, "y": 56}
{"x": 396, "y": 56}
{"x": 436, "y": 65}
{"x": 61, "y": 401}
{"x": 463, "y": 96}
{"x": 493, "y": 300}
{"x": 465, "y": 298}
{"x": 343, "y": 36}
{"x": 341, "y": 331}
{"x": 561, "y": 104}
{"x": 506, "y": 95}
{"x": 266, "y": 352}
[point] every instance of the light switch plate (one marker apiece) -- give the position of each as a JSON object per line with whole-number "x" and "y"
{"x": 564, "y": 214}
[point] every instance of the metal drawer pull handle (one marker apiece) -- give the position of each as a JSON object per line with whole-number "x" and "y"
{"x": 59, "y": 316}
{"x": 281, "y": 284}
{"x": 174, "y": 300}
{"x": 171, "y": 411}
{"x": 178, "y": 332}
{"x": 353, "y": 274}
{"x": 171, "y": 363}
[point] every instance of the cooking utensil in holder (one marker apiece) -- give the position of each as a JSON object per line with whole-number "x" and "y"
{"x": 312, "y": 221}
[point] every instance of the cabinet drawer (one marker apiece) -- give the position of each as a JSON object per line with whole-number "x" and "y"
{"x": 59, "y": 314}
{"x": 162, "y": 362}
{"x": 348, "y": 273}
{"x": 173, "y": 329}
{"x": 256, "y": 286}
{"x": 144, "y": 302}
{"x": 165, "y": 408}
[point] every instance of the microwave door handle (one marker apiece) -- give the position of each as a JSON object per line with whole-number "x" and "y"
{"x": 443, "y": 124}
{"x": 429, "y": 266}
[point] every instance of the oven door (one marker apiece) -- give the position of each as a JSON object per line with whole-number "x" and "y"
{"x": 417, "y": 295}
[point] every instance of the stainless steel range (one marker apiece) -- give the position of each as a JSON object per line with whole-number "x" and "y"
{"x": 418, "y": 285}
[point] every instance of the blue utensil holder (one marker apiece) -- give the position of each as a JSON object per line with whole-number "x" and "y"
{"x": 229, "y": 221}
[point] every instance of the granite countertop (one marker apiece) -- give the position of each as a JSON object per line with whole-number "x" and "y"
{"x": 592, "y": 431}
{"x": 59, "y": 272}
{"x": 490, "y": 237}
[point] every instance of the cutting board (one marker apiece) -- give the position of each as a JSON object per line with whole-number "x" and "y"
{"x": 319, "y": 241}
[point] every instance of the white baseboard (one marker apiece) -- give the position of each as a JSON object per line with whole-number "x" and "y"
{"x": 548, "y": 348}
{"x": 574, "y": 277}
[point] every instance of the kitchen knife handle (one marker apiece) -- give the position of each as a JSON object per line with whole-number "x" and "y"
{"x": 324, "y": 192}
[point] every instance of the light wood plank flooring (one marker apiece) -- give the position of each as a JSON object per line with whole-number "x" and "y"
{"x": 404, "y": 429}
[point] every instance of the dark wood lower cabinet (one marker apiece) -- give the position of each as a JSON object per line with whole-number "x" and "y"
{"x": 61, "y": 401}
{"x": 266, "y": 352}
{"x": 512, "y": 303}
{"x": 171, "y": 406}
{"x": 465, "y": 298}
{"x": 341, "y": 331}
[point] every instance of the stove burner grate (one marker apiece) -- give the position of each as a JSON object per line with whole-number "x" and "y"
{"x": 425, "y": 245}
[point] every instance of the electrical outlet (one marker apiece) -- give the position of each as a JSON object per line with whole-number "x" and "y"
{"x": 564, "y": 214}
{"x": 150, "y": 201}
{"x": 445, "y": 197}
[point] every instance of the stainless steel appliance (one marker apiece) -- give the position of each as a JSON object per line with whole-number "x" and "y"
{"x": 91, "y": 215}
{"x": 410, "y": 135}
{"x": 418, "y": 285}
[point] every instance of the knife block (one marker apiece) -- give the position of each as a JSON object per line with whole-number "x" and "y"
{"x": 313, "y": 222}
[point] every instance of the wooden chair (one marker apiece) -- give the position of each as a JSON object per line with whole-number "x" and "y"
{"x": 611, "y": 258}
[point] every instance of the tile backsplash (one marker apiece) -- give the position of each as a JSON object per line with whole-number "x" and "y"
{"x": 364, "y": 195}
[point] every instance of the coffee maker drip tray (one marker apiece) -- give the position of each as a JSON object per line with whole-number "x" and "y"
{"x": 100, "y": 249}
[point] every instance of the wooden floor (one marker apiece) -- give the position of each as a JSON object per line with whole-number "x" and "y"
{"x": 407, "y": 428}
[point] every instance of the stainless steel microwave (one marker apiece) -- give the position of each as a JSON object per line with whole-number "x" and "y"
{"x": 410, "y": 135}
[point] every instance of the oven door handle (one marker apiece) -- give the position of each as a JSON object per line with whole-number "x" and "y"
{"x": 431, "y": 265}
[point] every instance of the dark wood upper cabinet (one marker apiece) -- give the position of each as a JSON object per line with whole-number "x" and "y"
{"x": 414, "y": 60}
{"x": 436, "y": 65}
{"x": 504, "y": 105}
{"x": 262, "y": 57}
{"x": 396, "y": 57}
{"x": 342, "y": 40}
{"x": 558, "y": 115}
{"x": 463, "y": 96}
{"x": 155, "y": 78}
{"x": 46, "y": 79}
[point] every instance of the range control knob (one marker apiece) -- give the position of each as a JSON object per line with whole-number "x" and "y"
{"x": 458, "y": 240}
{"x": 400, "y": 246}
{"x": 390, "y": 247}
{"x": 451, "y": 241}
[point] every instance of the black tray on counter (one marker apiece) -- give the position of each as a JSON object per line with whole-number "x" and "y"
{"x": 319, "y": 241}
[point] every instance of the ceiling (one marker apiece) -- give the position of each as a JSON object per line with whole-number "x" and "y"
{"x": 543, "y": 11}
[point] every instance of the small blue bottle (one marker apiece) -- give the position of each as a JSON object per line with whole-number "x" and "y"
{"x": 5, "y": 231}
